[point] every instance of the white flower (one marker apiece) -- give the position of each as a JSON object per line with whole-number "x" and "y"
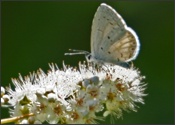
{"x": 75, "y": 96}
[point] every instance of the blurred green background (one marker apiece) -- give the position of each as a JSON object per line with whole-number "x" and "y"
{"x": 37, "y": 33}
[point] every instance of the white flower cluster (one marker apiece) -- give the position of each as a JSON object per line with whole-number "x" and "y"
{"x": 72, "y": 96}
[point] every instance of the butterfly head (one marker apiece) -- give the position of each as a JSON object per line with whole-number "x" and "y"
{"x": 88, "y": 57}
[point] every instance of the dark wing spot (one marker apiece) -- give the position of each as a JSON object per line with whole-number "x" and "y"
{"x": 130, "y": 55}
{"x": 110, "y": 23}
{"x": 109, "y": 52}
{"x": 104, "y": 17}
{"x": 108, "y": 37}
{"x": 101, "y": 48}
{"x": 132, "y": 37}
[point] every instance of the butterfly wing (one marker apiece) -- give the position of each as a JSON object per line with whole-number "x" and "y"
{"x": 111, "y": 40}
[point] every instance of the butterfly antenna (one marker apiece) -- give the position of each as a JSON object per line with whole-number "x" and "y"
{"x": 76, "y": 52}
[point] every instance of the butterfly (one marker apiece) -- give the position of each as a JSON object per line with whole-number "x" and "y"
{"x": 112, "y": 41}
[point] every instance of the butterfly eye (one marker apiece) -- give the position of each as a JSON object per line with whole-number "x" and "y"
{"x": 88, "y": 57}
